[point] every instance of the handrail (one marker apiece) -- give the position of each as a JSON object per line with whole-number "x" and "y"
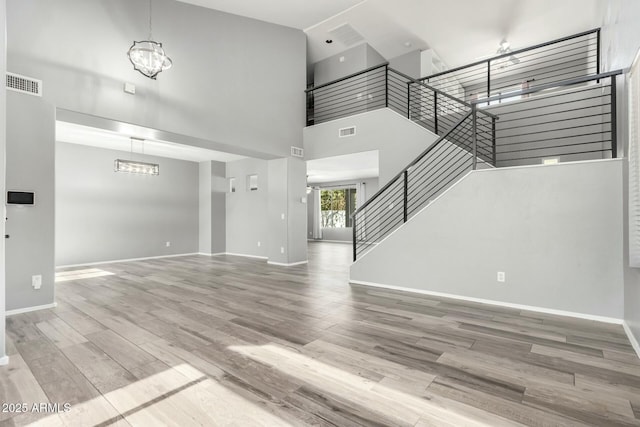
{"x": 311, "y": 89}
{"x": 413, "y": 163}
{"x": 514, "y": 52}
{"x": 438, "y": 91}
{"x": 569, "y": 82}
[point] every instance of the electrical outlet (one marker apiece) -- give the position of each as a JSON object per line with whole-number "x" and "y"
{"x": 501, "y": 277}
{"x": 36, "y": 281}
{"x": 281, "y": 249}
{"x": 258, "y": 243}
{"x": 168, "y": 244}
{"x": 282, "y": 216}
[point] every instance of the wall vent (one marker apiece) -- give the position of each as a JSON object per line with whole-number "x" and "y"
{"x": 345, "y": 34}
{"x": 23, "y": 84}
{"x": 297, "y": 151}
{"x": 345, "y": 132}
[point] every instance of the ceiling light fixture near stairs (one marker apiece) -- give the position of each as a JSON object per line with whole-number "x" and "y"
{"x": 505, "y": 49}
{"x": 148, "y": 56}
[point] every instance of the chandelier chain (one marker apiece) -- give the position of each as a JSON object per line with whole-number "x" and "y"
{"x": 150, "y": 25}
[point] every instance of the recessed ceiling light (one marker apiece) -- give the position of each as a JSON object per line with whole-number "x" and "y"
{"x": 407, "y": 44}
{"x": 328, "y": 41}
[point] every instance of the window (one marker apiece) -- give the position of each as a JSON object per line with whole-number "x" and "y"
{"x": 336, "y": 207}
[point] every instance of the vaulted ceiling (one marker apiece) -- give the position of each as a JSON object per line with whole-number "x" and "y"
{"x": 460, "y": 31}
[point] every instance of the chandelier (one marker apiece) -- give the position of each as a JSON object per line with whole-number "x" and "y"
{"x": 132, "y": 166}
{"x": 148, "y": 56}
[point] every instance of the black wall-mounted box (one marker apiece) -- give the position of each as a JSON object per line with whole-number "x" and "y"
{"x": 20, "y": 198}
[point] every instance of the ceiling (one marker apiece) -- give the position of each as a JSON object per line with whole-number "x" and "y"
{"x": 460, "y": 31}
{"x": 298, "y": 14}
{"x": 355, "y": 166}
{"x": 94, "y": 137}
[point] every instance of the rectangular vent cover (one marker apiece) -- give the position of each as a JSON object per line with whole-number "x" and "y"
{"x": 24, "y": 84}
{"x": 297, "y": 151}
{"x": 344, "y": 132}
{"x": 346, "y": 34}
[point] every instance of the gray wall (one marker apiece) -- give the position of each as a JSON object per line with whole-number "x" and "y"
{"x": 3, "y": 133}
{"x": 555, "y": 231}
{"x": 257, "y": 216}
{"x": 409, "y": 64}
{"x": 218, "y": 207}
{"x": 246, "y": 218}
{"x": 397, "y": 140}
{"x": 356, "y": 59}
{"x": 287, "y": 243}
{"x": 204, "y": 207}
{"x": 30, "y": 166}
{"x": 620, "y": 42}
{"x": 102, "y": 215}
{"x": 296, "y": 210}
{"x": 212, "y": 207}
{"x": 235, "y": 80}
{"x": 338, "y": 234}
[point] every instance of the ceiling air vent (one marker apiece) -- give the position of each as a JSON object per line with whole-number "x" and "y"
{"x": 297, "y": 151}
{"x": 345, "y": 132}
{"x": 23, "y": 84}
{"x": 346, "y": 34}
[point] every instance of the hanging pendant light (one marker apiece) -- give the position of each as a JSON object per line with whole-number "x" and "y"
{"x": 148, "y": 56}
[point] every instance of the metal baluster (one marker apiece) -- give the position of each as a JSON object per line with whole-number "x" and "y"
{"x": 474, "y": 111}
{"x": 406, "y": 195}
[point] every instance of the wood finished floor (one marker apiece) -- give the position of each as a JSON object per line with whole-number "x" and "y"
{"x": 233, "y": 341}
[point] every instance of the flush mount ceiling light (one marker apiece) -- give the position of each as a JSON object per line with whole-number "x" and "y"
{"x": 148, "y": 56}
{"x": 131, "y": 166}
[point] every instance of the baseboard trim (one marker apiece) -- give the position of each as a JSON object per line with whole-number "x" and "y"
{"x": 288, "y": 265}
{"x": 564, "y": 313}
{"x": 126, "y": 260}
{"x": 206, "y": 254}
{"x": 30, "y": 309}
{"x": 632, "y": 338}
{"x": 4, "y": 360}
{"x": 244, "y": 255}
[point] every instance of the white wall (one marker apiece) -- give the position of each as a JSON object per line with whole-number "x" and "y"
{"x": 348, "y": 62}
{"x": 247, "y": 221}
{"x": 235, "y": 80}
{"x": 398, "y": 140}
{"x": 204, "y": 207}
{"x": 409, "y": 64}
{"x": 212, "y": 207}
{"x": 102, "y": 215}
{"x": 554, "y": 230}
{"x": 30, "y": 167}
{"x": 3, "y": 121}
{"x": 620, "y": 42}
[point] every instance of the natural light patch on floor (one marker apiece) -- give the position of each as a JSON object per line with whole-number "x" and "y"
{"x": 391, "y": 406}
{"x": 181, "y": 396}
{"x": 88, "y": 273}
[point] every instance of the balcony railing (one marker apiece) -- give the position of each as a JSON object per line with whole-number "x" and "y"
{"x": 558, "y": 60}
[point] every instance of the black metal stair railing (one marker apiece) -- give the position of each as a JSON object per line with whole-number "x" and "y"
{"x": 557, "y": 60}
{"x": 383, "y": 87}
{"x": 572, "y": 120}
{"x": 466, "y": 146}
{"x": 565, "y": 121}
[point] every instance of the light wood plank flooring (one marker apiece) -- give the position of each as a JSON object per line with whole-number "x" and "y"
{"x": 233, "y": 341}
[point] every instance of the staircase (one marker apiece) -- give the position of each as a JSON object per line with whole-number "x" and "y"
{"x": 548, "y": 105}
